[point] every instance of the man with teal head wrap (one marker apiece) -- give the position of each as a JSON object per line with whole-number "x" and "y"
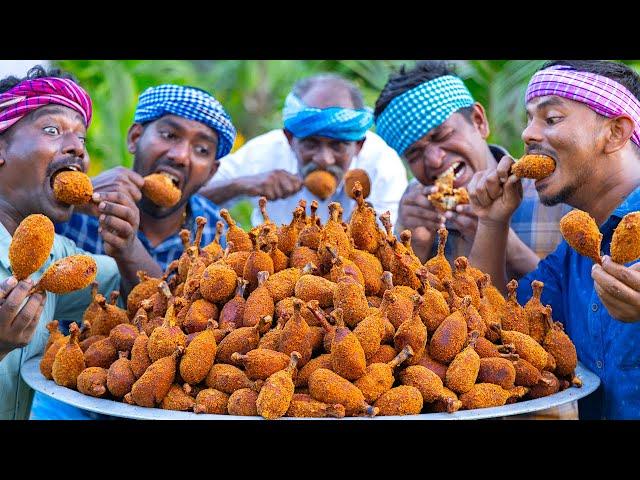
{"x": 326, "y": 127}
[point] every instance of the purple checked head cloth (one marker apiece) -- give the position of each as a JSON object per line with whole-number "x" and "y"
{"x": 603, "y": 95}
{"x": 29, "y": 95}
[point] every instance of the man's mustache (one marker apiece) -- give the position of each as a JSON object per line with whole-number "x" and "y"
{"x": 335, "y": 170}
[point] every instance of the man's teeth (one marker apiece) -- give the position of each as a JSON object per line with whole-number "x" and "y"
{"x": 171, "y": 177}
{"x": 460, "y": 170}
{"x": 75, "y": 168}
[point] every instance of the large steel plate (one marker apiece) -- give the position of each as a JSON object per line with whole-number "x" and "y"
{"x": 31, "y": 374}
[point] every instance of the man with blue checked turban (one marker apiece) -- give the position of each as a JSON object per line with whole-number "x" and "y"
{"x": 428, "y": 116}
{"x": 326, "y": 129}
{"x": 178, "y": 131}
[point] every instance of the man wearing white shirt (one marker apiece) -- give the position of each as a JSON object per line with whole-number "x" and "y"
{"x": 325, "y": 127}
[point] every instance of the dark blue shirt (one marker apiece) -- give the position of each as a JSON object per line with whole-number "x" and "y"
{"x": 607, "y": 346}
{"x": 83, "y": 229}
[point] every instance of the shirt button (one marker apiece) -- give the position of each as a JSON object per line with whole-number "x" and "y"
{"x": 594, "y": 307}
{"x": 599, "y": 364}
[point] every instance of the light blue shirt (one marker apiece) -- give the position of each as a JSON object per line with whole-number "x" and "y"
{"x": 15, "y": 395}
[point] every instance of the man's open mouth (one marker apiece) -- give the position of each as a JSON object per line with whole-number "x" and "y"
{"x": 65, "y": 168}
{"x": 175, "y": 178}
{"x": 458, "y": 169}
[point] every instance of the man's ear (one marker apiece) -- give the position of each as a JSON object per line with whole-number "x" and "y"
{"x": 479, "y": 120}
{"x": 618, "y": 133}
{"x": 133, "y": 135}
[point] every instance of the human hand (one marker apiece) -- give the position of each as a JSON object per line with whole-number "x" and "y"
{"x": 619, "y": 288}
{"x": 17, "y": 325}
{"x": 119, "y": 221}
{"x": 118, "y": 179}
{"x": 495, "y": 194}
{"x": 274, "y": 185}
{"x": 464, "y": 220}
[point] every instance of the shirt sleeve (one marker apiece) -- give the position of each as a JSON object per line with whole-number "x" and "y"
{"x": 550, "y": 272}
{"x": 71, "y": 307}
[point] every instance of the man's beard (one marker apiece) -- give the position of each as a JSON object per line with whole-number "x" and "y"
{"x": 335, "y": 170}
{"x": 563, "y": 196}
{"x": 152, "y": 210}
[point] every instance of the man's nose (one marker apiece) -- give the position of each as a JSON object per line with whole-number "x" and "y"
{"x": 73, "y": 145}
{"x": 433, "y": 157}
{"x": 179, "y": 153}
{"x": 323, "y": 157}
{"x": 532, "y": 133}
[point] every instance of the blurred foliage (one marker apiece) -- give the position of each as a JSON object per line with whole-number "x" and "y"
{"x": 253, "y": 92}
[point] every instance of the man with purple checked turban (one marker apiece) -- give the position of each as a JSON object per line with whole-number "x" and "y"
{"x": 44, "y": 120}
{"x": 586, "y": 116}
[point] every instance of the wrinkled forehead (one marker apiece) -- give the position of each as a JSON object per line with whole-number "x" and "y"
{"x": 538, "y": 104}
{"x": 328, "y": 94}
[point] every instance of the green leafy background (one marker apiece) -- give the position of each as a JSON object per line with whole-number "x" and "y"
{"x": 253, "y": 92}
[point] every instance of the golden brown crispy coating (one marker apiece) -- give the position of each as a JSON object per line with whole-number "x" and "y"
{"x": 402, "y": 400}
{"x": 92, "y": 381}
{"x": 484, "y": 395}
{"x": 547, "y": 385}
{"x": 534, "y": 166}
{"x": 526, "y": 347}
{"x": 261, "y": 363}
{"x": 304, "y": 406}
{"x": 363, "y": 227}
{"x": 257, "y": 261}
{"x": 311, "y": 287}
{"x": 31, "y": 245}
{"x": 101, "y": 354}
{"x": 155, "y": 382}
{"x": 329, "y": 387}
{"x": 436, "y": 367}
{"x": 321, "y": 361}
{"x": 295, "y": 336}
{"x": 87, "y": 342}
{"x": 526, "y": 374}
{"x": 384, "y": 354}
{"x": 198, "y": 315}
{"x": 199, "y": 356}
{"x": 369, "y": 333}
{"x": 625, "y": 244}
{"x": 464, "y": 283}
{"x": 218, "y": 283}
{"x": 140, "y": 360}
{"x": 236, "y": 261}
{"x": 123, "y": 336}
{"x": 371, "y": 270}
{"x": 54, "y": 334}
{"x": 447, "y": 197}
{"x": 68, "y": 274}
{"x": 301, "y": 256}
{"x": 497, "y": 370}
{"x": 309, "y": 236}
{"x": 463, "y": 370}
{"x": 120, "y": 376}
{"x": 581, "y": 232}
{"x": 242, "y": 402}
{"x": 347, "y": 356}
{"x": 259, "y": 304}
{"x": 333, "y": 236}
{"x": 227, "y": 378}
{"x": 396, "y": 308}
{"x": 177, "y": 399}
{"x": 239, "y": 239}
{"x": 164, "y": 340}
{"x": 160, "y": 189}
{"x": 276, "y": 394}
{"x": 282, "y": 284}
{"x": 357, "y": 175}
{"x": 379, "y": 377}
{"x": 233, "y": 311}
{"x": 349, "y": 268}
{"x": 321, "y": 183}
{"x": 449, "y": 338}
{"x": 73, "y": 188}
{"x": 439, "y": 265}
{"x": 240, "y": 340}
{"x": 288, "y": 234}
{"x": 69, "y": 360}
{"x": 430, "y": 387}
{"x": 211, "y": 401}
{"x": 412, "y": 332}
{"x": 214, "y": 249}
{"x": 515, "y": 318}
{"x": 559, "y": 345}
{"x": 109, "y": 315}
{"x": 534, "y": 312}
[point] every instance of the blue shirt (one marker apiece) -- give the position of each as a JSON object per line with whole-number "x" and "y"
{"x": 83, "y": 230}
{"x": 607, "y": 346}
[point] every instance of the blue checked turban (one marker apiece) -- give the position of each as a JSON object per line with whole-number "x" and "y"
{"x": 190, "y": 103}
{"x": 410, "y": 116}
{"x": 339, "y": 123}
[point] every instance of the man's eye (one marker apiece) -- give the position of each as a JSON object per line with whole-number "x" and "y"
{"x": 52, "y": 130}
{"x": 202, "y": 150}
{"x": 553, "y": 120}
{"x": 167, "y": 135}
